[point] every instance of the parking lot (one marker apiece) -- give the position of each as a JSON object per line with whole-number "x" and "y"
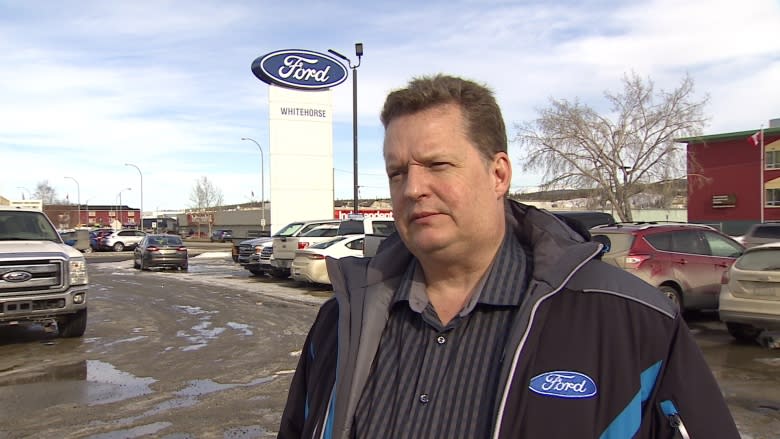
{"x": 210, "y": 352}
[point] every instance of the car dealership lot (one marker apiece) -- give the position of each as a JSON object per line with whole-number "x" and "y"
{"x": 209, "y": 353}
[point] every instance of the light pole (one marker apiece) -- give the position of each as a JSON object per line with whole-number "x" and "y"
{"x": 29, "y": 194}
{"x": 359, "y": 53}
{"x": 78, "y": 196}
{"x": 262, "y": 183}
{"x": 141, "y": 215}
{"x": 119, "y": 206}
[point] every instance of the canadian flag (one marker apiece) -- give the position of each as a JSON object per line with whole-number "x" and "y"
{"x": 756, "y": 138}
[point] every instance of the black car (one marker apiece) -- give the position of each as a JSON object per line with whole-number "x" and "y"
{"x": 221, "y": 235}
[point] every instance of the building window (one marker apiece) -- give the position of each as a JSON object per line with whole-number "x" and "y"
{"x": 773, "y": 197}
{"x": 772, "y": 159}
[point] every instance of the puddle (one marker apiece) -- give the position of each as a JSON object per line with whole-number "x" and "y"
{"x": 89, "y": 382}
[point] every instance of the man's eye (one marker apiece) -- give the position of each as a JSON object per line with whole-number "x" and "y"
{"x": 439, "y": 165}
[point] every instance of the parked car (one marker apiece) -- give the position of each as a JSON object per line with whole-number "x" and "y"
{"x": 284, "y": 248}
{"x": 750, "y": 293}
{"x": 309, "y": 264}
{"x": 161, "y": 251}
{"x": 122, "y": 239}
{"x": 248, "y": 254}
{"x": 285, "y": 243}
{"x": 762, "y": 233}
{"x": 684, "y": 261}
{"x": 96, "y": 238}
{"x": 221, "y": 235}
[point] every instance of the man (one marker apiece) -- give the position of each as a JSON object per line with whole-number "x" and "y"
{"x": 483, "y": 317}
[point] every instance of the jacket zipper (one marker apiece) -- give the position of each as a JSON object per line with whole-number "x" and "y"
{"x": 675, "y": 421}
{"x": 516, "y": 356}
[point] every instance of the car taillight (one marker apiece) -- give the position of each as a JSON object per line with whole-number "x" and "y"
{"x": 152, "y": 248}
{"x": 302, "y": 245}
{"x": 315, "y": 256}
{"x": 724, "y": 279}
{"x": 181, "y": 249}
{"x": 634, "y": 261}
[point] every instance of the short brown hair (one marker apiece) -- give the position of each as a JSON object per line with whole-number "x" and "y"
{"x": 484, "y": 123}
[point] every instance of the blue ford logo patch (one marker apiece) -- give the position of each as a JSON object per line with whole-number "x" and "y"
{"x": 563, "y": 384}
{"x": 301, "y": 69}
{"x": 17, "y": 276}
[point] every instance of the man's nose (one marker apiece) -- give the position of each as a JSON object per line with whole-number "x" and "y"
{"x": 417, "y": 181}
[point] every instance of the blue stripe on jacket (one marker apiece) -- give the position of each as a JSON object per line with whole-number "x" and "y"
{"x": 627, "y": 423}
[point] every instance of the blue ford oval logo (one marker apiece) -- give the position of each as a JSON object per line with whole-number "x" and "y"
{"x": 301, "y": 69}
{"x": 17, "y": 276}
{"x": 563, "y": 384}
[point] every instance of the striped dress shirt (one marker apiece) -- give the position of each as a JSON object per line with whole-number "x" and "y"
{"x": 431, "y": 380}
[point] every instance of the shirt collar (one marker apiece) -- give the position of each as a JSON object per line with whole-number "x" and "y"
{"x": 503, "y": 285}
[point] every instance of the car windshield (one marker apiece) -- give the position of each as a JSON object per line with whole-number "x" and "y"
{"x": 765, "y": 259}
{"x": 289, "y": 230}
{"x": 165, "y": 241}
{"x": 326, "y": 244}
{"x": 26, "y": 226}
{"x": 323, "y": 231}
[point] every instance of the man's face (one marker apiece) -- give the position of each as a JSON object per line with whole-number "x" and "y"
{"x": 446, "y": 196}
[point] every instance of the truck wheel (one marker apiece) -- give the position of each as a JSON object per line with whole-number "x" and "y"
{"x": 256, "y": 272}
{"x": 743, "y": 333}
{"x": 279, "y": 273}
{"x": 73, "y": 325}
{"x": 118, "y": 247}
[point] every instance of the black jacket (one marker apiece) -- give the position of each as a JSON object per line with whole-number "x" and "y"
{"x": 594, "y": 352}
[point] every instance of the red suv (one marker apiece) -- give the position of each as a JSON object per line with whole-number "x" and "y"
{"x": 684, "y": 261}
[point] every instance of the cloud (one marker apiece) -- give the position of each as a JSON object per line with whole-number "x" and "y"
{"x": 89, "y": 85}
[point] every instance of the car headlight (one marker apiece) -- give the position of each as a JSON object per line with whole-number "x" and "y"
{"x": 78, "y": 272}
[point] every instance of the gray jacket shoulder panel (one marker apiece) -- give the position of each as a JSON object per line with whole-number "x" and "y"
{"x": 599, "y": 277}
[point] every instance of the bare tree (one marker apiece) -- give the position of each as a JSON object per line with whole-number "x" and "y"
{"x": 205, "y": 195}
{"x": 46, "y": 193}
{"x": 575, "y": 147}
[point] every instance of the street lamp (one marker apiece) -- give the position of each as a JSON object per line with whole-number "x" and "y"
{"x": 78, "y": 196}
{"x": 29, "y": 194}
{"x": 141, "y": 216}
{"x": 262, "y": 183}
{"x": 359, "y": 53}
{"x": 119, "y": 206}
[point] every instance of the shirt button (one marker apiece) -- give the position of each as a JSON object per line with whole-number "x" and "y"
{"x": 424, "y": 398}
{"x": 441, "y": 339}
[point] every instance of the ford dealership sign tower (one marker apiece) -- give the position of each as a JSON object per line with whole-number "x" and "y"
{"x": 300, "y": 107}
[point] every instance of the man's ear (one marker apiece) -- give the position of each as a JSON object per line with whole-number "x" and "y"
{"x": 501, "y": 170}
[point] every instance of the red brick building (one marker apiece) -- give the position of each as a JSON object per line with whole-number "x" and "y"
{"x": 726, "y": 179}
{"x": 66, "y": 216}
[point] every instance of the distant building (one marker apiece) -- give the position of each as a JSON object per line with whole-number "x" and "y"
{"x": 66, "y": 216}
{"x": 726, "y": 182}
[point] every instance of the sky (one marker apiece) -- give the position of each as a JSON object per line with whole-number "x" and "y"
{"x": 87, "y": 87}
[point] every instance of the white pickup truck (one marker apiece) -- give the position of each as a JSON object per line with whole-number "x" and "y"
{"x": 42, "y": 279}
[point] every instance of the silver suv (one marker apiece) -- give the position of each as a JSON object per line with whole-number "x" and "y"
{"x": 762, "y": 233}
{"x": 121, "y": 240}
